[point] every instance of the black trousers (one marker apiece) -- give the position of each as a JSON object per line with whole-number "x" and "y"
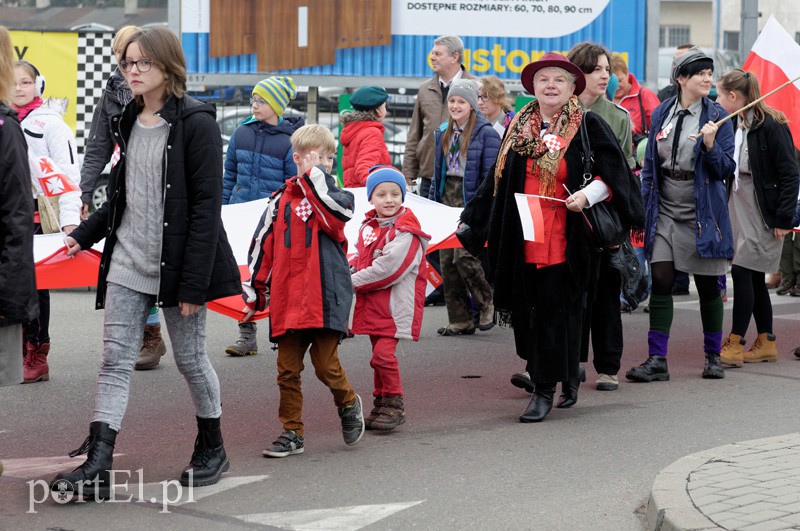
{"x": 603, "y": 322}
{"x": 549, "y": 331}
{"x": 424, "y": 186}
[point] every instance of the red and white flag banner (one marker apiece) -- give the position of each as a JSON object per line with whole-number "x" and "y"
{"x": 54, "y": 269}
{"x": 51, "y": 179}
{"x": 774, "y": 60}
{"x": 530, "y": 215}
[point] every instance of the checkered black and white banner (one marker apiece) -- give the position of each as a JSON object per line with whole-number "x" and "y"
{"x": 95, "y": 65}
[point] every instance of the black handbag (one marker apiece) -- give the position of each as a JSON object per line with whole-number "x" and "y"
{"x": 603, "y": 223}
{"x": 634, "y": 282}
{"x": 471, "y": 240}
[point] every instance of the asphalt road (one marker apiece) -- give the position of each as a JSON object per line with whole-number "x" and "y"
{"x": 461, "y": 460}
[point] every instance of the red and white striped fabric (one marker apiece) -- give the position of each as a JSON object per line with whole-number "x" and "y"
{"x": 530, "y": 215}
{"x": 775, "y": 59}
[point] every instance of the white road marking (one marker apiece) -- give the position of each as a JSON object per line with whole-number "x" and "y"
{"x": 35, "y": 467}
{"x": 154, "y": 492}
{"x": 338, "y": 518}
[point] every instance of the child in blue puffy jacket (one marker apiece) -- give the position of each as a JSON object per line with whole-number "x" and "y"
{"x": 258, "y": 162}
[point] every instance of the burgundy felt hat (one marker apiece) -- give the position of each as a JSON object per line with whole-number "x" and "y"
{"x": 552, "y": 59}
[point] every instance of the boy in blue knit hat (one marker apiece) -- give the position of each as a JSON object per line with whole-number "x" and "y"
{"x": 258, "y": 162}
{"x": 389, "y": 277}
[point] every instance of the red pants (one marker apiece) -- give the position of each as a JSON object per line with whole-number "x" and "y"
{"x": 325, "y": 357}
{"x": 384, "y": 363}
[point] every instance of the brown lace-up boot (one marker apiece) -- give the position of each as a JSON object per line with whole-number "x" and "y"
{"x": 153, "y": 348}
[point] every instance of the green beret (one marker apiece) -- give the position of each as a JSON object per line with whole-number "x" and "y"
{"x": 368, "y": 98}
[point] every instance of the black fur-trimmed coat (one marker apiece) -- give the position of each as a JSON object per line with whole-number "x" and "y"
{"x": 496, "y": 216}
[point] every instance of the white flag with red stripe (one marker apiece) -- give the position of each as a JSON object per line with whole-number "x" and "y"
{"x": 775, "y": 59}
{"x": 530, "y": 214}
{"x": 51, "y": 179}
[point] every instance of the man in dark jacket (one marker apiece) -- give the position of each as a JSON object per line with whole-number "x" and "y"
{"x": 18, "y": 300}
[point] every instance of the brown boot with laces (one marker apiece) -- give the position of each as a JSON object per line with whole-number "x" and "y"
{"x": 763, "y": 349}
{"x": 732, "y": 352}
{"x": 153, "y": 348}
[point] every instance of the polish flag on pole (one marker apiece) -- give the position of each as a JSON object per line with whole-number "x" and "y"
{"x": 51, "y": 179}
{"x": 530, "y": 214}
{"x": 775, "y": 59}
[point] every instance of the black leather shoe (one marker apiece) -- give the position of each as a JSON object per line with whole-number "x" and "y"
{"x": 523, "y": 381}
{"x": 713, "y": 369}
{"x": 540, "y": 405}
{"x": 654, "y": 369}
{"x": 569, "y": 390}
{"x": 797, "y": 352}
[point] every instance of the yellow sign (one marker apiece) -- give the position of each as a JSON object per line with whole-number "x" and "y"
{"x": 55, "y": 55}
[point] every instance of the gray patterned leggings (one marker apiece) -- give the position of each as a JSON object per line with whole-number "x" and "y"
{"x": 126, "y": 312}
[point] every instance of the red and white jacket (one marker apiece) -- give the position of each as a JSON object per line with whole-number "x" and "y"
{"x": 297, "y": 257}
{"x": 390, "y": 276}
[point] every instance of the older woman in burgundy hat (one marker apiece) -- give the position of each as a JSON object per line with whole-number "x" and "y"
{"x": 541, "y": 287}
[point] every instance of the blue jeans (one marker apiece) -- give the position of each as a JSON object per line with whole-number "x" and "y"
{"x": 125, "y": 316}
{"x": 646, "y": 268}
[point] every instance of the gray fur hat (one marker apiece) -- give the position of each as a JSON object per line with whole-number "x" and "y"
{"x": 465, "y": 88}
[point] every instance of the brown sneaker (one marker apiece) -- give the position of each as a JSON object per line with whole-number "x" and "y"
{"x": 732, "y": 352}
{"x": 763, "y": 349}
{"x": 457, "y": 329}
{"x": 391, "y": 415}
{"x": 153, "y": 348}
{"x": 376, "y": 411}
{"x": 785, "y": 287}
{"x": 487, "y": 318}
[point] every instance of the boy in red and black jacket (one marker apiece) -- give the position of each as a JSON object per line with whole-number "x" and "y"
{"x": 298, "y": 266}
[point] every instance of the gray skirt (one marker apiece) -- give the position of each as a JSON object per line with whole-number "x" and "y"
{"x": 676, "y": 240}
{"x": 755, "y": 246}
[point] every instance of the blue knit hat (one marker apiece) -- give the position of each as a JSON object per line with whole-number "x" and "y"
{"x": 385, "y": 174}
{"x": 277, "y": 91}
{"x": 613, "y": 86}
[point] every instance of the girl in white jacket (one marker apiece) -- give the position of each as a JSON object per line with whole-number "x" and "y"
{"x": 47, "y": 135}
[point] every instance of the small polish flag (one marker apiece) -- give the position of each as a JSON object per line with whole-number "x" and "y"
{"x": 530, "y": 215}
{"x": 775, "y": 59}
{"x": 52, "y": 181}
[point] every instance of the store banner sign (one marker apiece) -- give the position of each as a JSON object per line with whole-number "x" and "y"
{"x": 515, "y": 18}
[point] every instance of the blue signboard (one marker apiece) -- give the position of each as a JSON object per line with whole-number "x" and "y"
{"x": 498, "y": 37}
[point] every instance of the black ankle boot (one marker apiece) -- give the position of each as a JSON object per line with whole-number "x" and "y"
{"x": 569, "y": 389}
{"x": 541, "y": 403}
{"x": 91, "y": 478}
{"x": 209, "y": 460}
{"x": 713, "y": 369}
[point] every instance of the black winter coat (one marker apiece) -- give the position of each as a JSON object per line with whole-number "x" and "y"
{"x": 100, "y": 144}
{"x": 497, "y": 214}
{"x": 18, "y": 300}
{"x": 775, "y": 172}
{"x": 197, "y": 264}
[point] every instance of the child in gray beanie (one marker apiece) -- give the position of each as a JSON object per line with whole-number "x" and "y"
{"x": 467, "y": 89}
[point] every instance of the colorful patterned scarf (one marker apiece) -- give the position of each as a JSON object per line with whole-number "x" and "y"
{"x": 523, "y": 137}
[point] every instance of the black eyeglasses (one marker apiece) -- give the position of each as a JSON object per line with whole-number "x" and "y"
{"x": 142, "y": 65}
